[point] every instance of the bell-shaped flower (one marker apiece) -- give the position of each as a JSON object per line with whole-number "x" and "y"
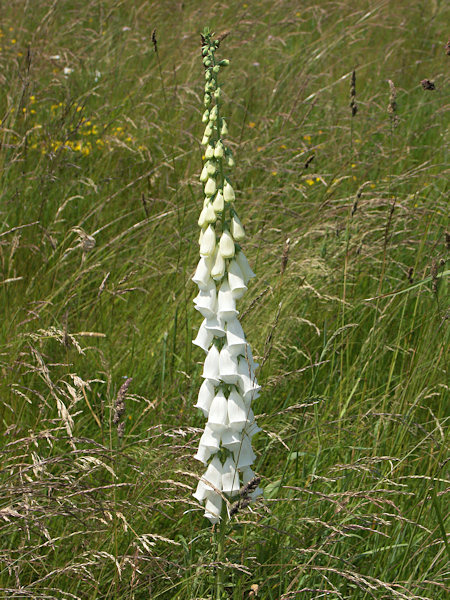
{"x": 236, "y": 279}
{"x": 216, "y": 326}
{"x": 228, "y": 366}
{"x": 203, "y": 272}
{"x": 251, "y": 428}
{"x": 210, "y": 439}
{"x": 244, "y": 456}
{"x": 206, "y": 395}
{"x": 204, "y": 337}
{"x": 206, "y": 300}
{"x": 213, "y": 475}
{"x": 218, "y": 203}
{"x": 242, "y": 261}
{"x": 228, "y": 193}
{"x": 208, "y": 241}
{"x": 226, "y": 304}
{"x": 248, "y": 385}
{"x": 218, "y": 412}
{"x": 210, "y": 187}
{"x": 211, "y": 365}
{"x": 209, "y": 152}
{"x": 247, "y": 476}
{"x": 230, "y": 477}
{"x": 237, "y": 411}
{"x": 218, "y": 270}
{"x": 237, "y": 231}
{"x": 203, "y": 454}
{"x": 213, "y": 507}
{"x": 226, "y": 245}
{"x": 236, "y": 337}
{"x": 231, "y": 440}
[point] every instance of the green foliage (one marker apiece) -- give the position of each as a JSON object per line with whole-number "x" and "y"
{"x": 99, "y": 201}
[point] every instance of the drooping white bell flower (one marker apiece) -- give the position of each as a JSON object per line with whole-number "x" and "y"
{"x": 203, "y": 454}
{"x": 237, "y": 411}
{"x": 226, "y": 304}
{"x": 237, "y": 231}
{"x": 204, "y": 337}
{"x": 226, "y": 245}
{"x": 206, "y": 395}
{"x": 213, "y": 475}
{"x": 211, "y": 365}
{"x": 236, "y": 337}
{"x": 228, "y": 366}
{"x": 218, "y": 270}
{"x": 228, "y": 193}
{"x": 242, "y": 261}
{"x": 206, "y": 300}
{"x": 244, "y": 456}
{"x": 231, "y": 440}
{"x": 208, "y": 242}
{"x": 202, "y": 275}
{"x": 213, "y": 507}
{"x": 218, "y": 412}
{"x": 230, "y": 477}
{"x": 247, "y": 381}
{"x": 236, "y": 279}
{"x": 210, "y": 439}
{"x": 216, "y": 326}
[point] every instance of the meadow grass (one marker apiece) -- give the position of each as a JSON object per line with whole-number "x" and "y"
{"x": 346, "y": 221}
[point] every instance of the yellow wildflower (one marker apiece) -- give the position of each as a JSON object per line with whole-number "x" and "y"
{"x": 310, "y": 181}
{"x": 307, "y": 138}
{"x": 252, "y": 124}
{"x": 274, "y": 173}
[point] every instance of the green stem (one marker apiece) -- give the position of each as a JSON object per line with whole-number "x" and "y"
{"x": 220, "y": 590}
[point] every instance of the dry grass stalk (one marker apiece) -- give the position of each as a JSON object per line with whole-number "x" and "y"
{"x": 244, "y": 496}
{"x": 392, "y": 106}
{"x": 119, "y": 407}
{"x": 353, "y": 105}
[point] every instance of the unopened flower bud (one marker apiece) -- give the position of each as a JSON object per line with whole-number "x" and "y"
{"x": 207, "y": 99}
{"x": 224, "y": 63}
{"x": 204, "y": 174}
{"x": 208, "y": 75}
{"x": 209, "y": 152}
{"x": 210, "y": 187}
{"x": 228, "y": 193}
{"x": 213, "y": 113}
{"x": 237, "y": 231}
{"x": 218, "y": 150}
{"x": 218, "y": 203}
{"x": 206, "y": 61}
{"x": 208, "y": 130}
{"x": 217, "y": 94}
{"x": 205, "y": 140}
{"x": 218, "y": 270}
{"x": 224, "y": 128}
{"x": 210, "y": 215}
{"x": 202, "y": 218}
{"x": 205, "y": 117}
{"x": 230, "y": 160}
{"x": 208, "y": 243}
{"x": 226, "y": 245}
{"x": 211, "y": 167}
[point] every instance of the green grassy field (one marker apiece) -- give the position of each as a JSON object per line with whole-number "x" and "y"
{"x": 99, "y": 199}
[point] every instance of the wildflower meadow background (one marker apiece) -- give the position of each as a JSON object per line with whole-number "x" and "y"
{"x": 341, "y": 183}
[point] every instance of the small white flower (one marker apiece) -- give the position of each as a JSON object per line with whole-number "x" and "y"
{"x": 230, "y": 477}
{"x": 202, "y": 275}
{"x": 206, "y": 300}
{"x": 236, "y": 337}
{"x": 236, "y": 279}
{"x": 242, "y": 261}
{"x": 228, "y": 366}
{"x": 204, "y": 337}
{"x": 244, "y": 456}
{"x": 67, "y": 71}
{"x": 226, "y": 304}
{"x": 206, "y": 394}
{"x": 218, "y": 270}
{"x": 216, "y": 326}
{"x": 211, "y": 365}
{"x": 218, "y": 413}
{"x": 237, "y": 411}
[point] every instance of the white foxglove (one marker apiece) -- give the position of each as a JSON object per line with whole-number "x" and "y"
{"x": 222, "y": 275}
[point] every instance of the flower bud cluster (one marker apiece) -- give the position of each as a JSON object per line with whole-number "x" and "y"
{"x": 222, "y": 275}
